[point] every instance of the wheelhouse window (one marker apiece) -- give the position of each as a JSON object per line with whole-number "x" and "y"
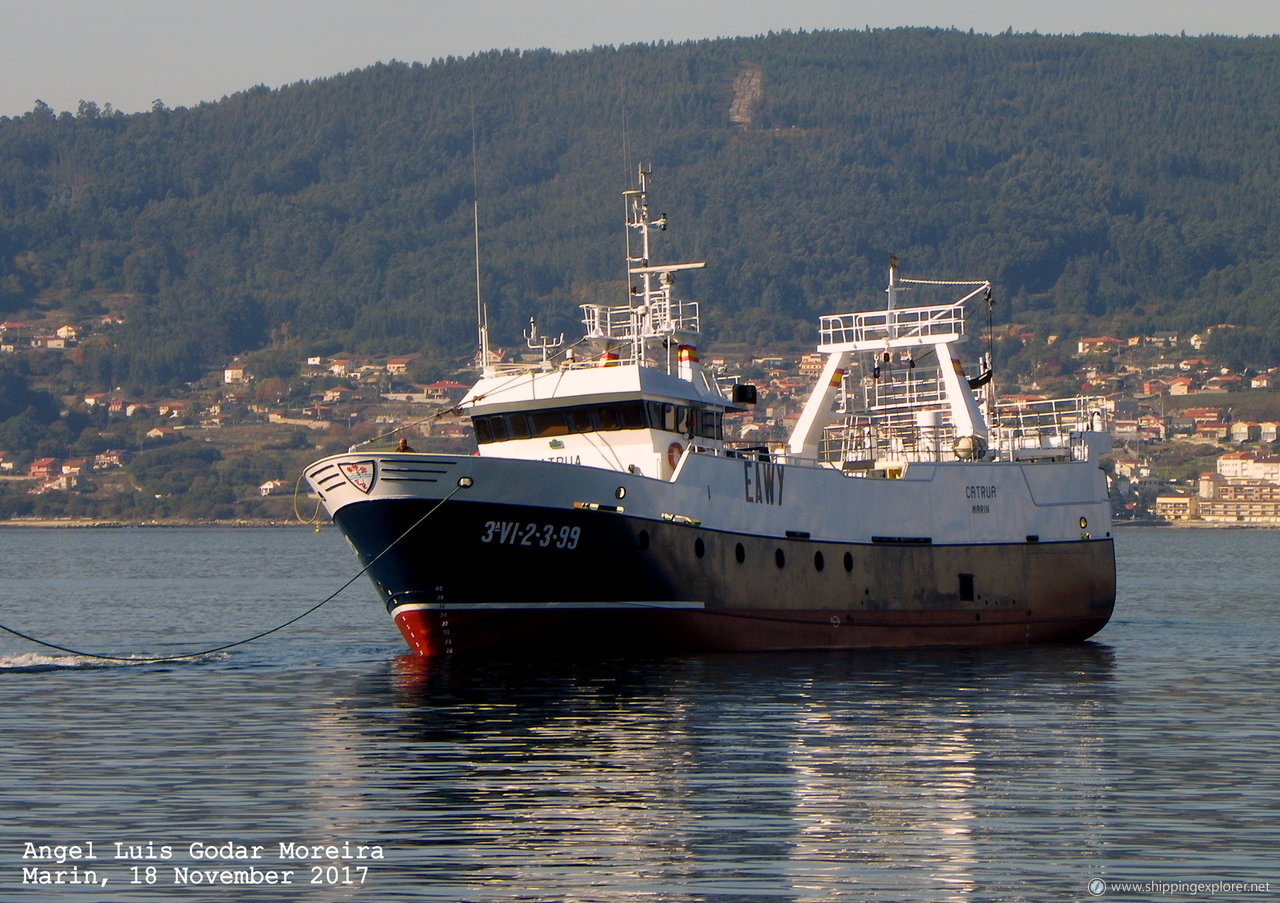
{"x": 518, "y": 426}
{"x": 631, "y": 415}
{"x": 607, "y": 419}
{"x": 549, "y": 423}
{"x": 579, "y": 420}
{"x": 662, "y": 416}
{"x": 706, "y": 423}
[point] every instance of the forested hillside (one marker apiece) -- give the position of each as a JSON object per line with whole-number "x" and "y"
{"x": 1128, "y": 179}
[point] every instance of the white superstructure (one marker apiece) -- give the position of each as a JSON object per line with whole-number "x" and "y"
{"x": 631, "y": 395}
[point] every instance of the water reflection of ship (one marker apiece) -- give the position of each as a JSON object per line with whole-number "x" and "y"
{"x": 860, "y": 772}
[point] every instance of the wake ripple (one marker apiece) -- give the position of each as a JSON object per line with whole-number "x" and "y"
{"x": 36, "y": 662}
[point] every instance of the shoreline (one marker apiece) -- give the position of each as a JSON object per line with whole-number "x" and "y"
{"x": 1183, "y": 524}
{"x": 80, "y": 523}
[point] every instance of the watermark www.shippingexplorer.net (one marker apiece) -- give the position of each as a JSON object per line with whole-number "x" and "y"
{"x": 1112, "y": 887}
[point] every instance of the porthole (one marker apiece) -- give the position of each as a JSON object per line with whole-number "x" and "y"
{"x": 620, "y": 492}
{"x": 642, "y": 541}
{"x": 848, "y": 562}
{"x": 699, "y": 547}
{"x": 780, "y": 558}
{"x": 818, "y": 562}
{"x": 739, "y": 553}
{"x": 1084, "y": 522}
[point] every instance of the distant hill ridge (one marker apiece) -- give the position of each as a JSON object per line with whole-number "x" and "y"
{"x": 1126, "y": 183}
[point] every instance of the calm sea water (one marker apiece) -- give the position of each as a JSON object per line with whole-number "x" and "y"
{"x": 1148, "y": 755}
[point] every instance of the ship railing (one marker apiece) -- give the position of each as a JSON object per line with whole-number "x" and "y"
{"x": 566, "y": 362}
{"x": 909, "y": 436}
{"x": 771, "y": 452}
{"x": 747, "y": 452}
{"x": 1045, "y": 429}
{"x": 660, "y": 317}
{"x": 922, "y": 390}
{"x": 514, "y": 366}
{"x": 1047, "y": 424}
{"x": 939, "y": 323}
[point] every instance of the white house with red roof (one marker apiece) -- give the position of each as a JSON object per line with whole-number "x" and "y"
{"x": 1098, "y": 345}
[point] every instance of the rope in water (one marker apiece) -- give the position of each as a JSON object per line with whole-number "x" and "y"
{"x": 133, "y": 660}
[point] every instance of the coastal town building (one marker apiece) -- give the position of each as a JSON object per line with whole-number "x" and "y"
{"x": 1175, "y": 507}
{"x": 43, "y": 468}
{"x": 1098, "y": 345}
{"x": 1250, "y": 503}
{"x": 1244, "y": 490}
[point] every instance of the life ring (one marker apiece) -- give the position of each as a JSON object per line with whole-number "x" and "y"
{"x": 674, "y": 451}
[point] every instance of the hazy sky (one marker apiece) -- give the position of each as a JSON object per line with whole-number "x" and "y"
{"x": 131, "y": 52}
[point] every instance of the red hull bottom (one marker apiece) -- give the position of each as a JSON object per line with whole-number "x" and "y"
{"x": 507, "y": 631}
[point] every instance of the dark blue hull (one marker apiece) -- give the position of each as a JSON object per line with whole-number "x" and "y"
{"x": 475, "y": 576}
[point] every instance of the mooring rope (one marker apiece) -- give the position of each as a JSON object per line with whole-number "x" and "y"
{"x": 257, "y": 636}
{"x": 310, "y": 521}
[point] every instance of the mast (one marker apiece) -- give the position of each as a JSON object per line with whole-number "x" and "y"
{"x": 482, "y": 314}
{"x": 651, "y": 313}
{"x": 639, "y": 264}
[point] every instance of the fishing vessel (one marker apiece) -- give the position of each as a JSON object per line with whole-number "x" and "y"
{"x": 604, "y": 510}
